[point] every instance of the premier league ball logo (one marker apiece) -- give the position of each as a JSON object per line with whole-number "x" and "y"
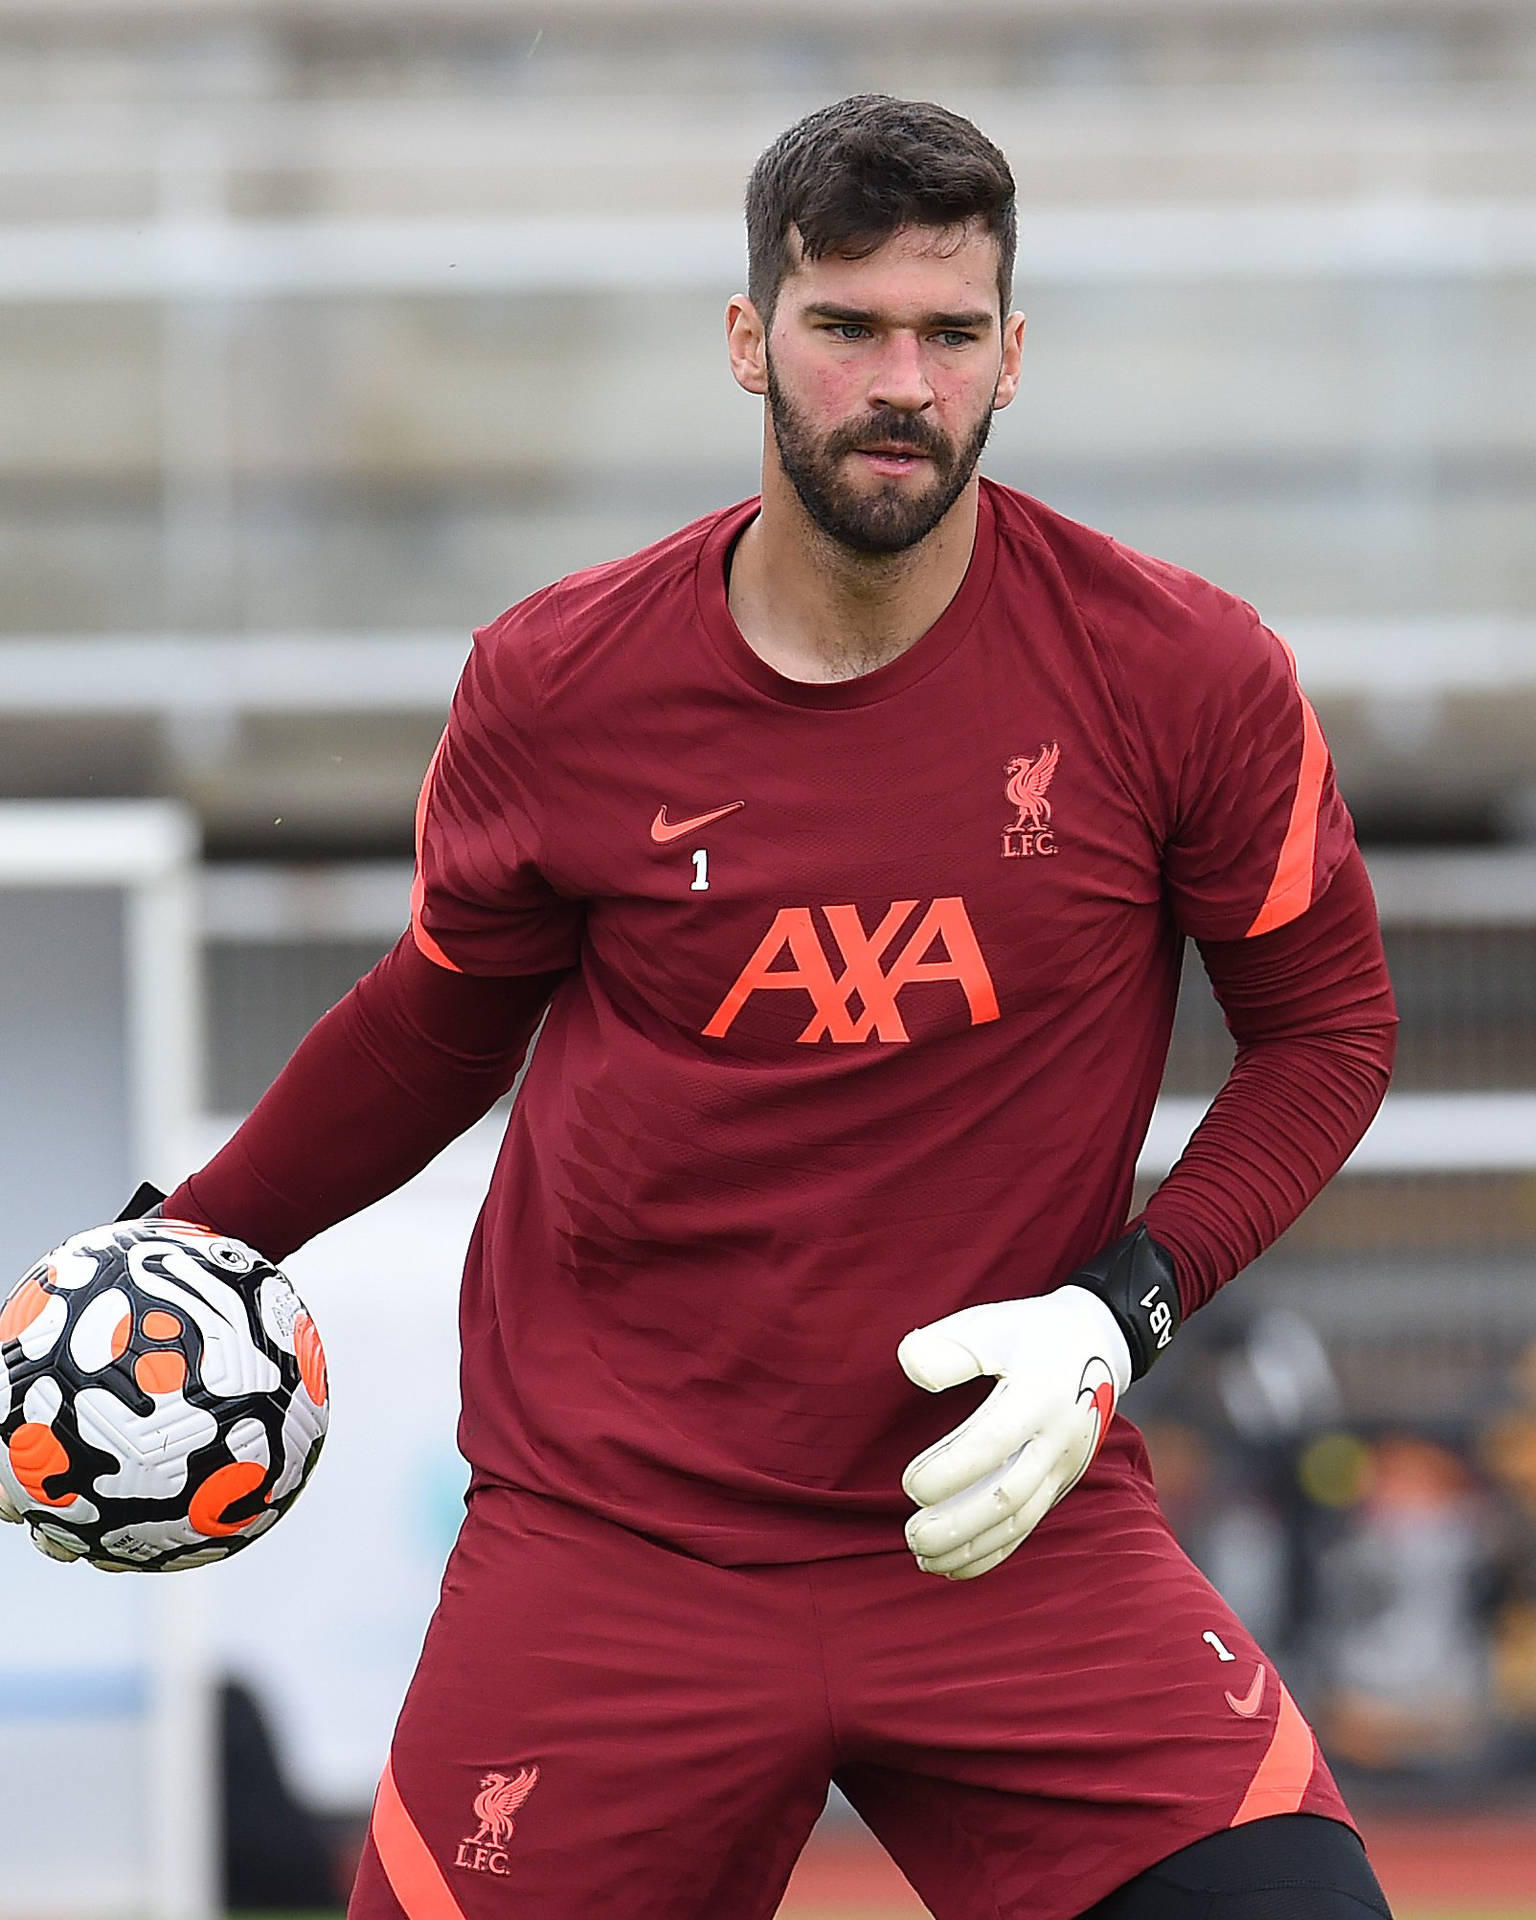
{"x": 163, "y": 1397}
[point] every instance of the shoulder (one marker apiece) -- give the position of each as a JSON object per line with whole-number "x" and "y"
{"x": 557, "y": 630}
{"x": 1151, "y": 617}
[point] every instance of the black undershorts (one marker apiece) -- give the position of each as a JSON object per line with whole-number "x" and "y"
{"x": 1293, "y": 1866}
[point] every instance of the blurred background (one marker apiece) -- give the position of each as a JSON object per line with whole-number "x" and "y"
{"x": 329, "y": 329}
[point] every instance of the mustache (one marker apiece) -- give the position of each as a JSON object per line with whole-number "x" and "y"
{"x": 886, "y": 425}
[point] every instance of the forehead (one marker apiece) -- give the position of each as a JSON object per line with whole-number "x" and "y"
{"x": 930, "y": 268}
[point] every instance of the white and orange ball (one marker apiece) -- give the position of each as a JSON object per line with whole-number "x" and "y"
{"x": 163, "y": 1397}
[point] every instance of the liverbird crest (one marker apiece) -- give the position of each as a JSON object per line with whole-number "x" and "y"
{"x": 500, "y": 1796}
{"x": 1027, "y": 787}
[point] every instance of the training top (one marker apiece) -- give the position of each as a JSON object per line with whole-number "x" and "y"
{"x": 870, "y": 991}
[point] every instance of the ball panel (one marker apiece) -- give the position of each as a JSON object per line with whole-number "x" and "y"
{"x": 221, "y": 1504}
{"x": 230, "y": 1362}
{"x": 156, "y": 1373}
{"x": 304, "y": 1427}
{"x": 280, "y": 1309}
{"x": 311, "y": 1358}
{"x": 248, "y": 1440}
{"x": 40, "y": 1462}
{"x": 42, "y": 1316}
{"x": 152, "y": 1450}
{"x": 101, "y": 1331}
{"x": 78, "y": 1262}
{"x": 27, "y": 1300}
{"x": 44, "y": 1398}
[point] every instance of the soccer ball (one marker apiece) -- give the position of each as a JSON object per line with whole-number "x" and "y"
{"x": 163, "y": 1397}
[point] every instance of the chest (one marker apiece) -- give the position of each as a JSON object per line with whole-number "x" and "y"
{"x": 832, "y": 875}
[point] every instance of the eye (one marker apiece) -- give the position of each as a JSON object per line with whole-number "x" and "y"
{"x": 954, "y": 337}
{"x": 847, "y": 330}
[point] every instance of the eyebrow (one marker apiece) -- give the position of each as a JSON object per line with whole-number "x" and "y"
{"x": 863, "y": 316}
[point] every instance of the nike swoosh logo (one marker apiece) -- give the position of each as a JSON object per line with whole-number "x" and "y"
{"x": 663, "y": 832}
{"x": 1248, "y": 1706}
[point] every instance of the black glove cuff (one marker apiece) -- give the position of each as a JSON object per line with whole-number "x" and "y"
{"x": 1135, "y": 1279}
{"x": 145, "y": 1205}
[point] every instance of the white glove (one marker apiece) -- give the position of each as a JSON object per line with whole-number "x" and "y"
{"x": 1061, "y": 1363}
{"x": 56, "y": 1546}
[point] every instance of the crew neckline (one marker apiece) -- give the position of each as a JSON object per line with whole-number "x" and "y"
{"x": 928, "y": 651}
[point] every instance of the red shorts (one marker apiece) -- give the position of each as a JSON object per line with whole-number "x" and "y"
{"x": 601, "y": 1725}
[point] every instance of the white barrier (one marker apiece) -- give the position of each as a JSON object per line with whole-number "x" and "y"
{"x": 105, "y": 1709}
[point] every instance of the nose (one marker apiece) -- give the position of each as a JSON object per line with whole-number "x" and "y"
{"x": 901, "y": 380}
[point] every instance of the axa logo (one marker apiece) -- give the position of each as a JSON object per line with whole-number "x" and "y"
{"x": 854, "y": 989}
{"x": 500, "y": 1796}
{"x": 1028, "y": 782}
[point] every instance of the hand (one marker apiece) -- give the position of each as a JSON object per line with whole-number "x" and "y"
{"x": 56, "y": 1549}
{"x": 1061, "y": 1363}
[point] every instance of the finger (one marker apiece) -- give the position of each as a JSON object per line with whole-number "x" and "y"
{"x": 55, "y": 1548}
{"x": 974, "y": 1569}
{"x": 990, "y": 1503}
{"x": 8, "y": 1507}
{"x": 938, "y": 1356}
{"x": 983, "y": 1550}
{"x": 1048, "y": 1465}
{"x": 977, "y": 1448}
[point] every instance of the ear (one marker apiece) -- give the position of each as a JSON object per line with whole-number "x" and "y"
{"x": 1013, "y": 354}
{"x": 746, "y": 340}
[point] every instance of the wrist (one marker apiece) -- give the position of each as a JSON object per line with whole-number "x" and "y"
{"x": 146, "y": 1204}
{"x": 1135, "y": 1279}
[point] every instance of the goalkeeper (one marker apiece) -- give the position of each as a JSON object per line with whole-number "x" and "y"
{"x": 847, "y": 842}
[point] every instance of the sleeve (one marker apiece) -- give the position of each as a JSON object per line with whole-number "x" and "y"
{"x": 1258, "y": 828}
{"x": 1310, "y": 1006}
{"x": 402, "y": 1065}
{"x": 482, "y": 901}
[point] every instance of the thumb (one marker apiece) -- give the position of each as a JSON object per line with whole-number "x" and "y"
{"x": 937, "y": 1356}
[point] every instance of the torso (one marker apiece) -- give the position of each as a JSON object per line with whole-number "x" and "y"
{"x": 875, "y": 1039}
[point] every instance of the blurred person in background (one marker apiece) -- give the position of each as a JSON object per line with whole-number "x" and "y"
{"x": 1506, "y": 1450}
{"x": 846, "y": 843}
{"x": 1406, "y": 1674}
{"x": 1238, "y": 1416}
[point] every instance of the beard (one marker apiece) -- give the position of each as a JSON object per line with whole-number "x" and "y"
{"x": 890, "y": 518}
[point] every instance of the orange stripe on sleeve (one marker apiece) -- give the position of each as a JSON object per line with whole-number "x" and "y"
{"x": 1290, "y": 892}
{"x": 411, "y": 1871}
{"x": 424, "y": 942}
{"x": 1285, "y": 1772}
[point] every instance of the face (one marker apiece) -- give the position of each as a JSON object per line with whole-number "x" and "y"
{"x": 882, "y": 376}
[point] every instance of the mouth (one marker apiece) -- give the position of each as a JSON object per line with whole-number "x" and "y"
{"x": 891, "y": 459}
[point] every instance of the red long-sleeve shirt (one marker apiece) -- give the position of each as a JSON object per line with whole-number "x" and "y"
{"x": 859, "y": 995}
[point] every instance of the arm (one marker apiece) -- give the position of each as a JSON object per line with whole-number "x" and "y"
{"x": 409, "y": 1059}
{"x": 424, "y": 1044}
{"x": 1310, "y": 1007}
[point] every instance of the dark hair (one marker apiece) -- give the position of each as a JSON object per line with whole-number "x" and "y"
{"x": 848, "y": 176}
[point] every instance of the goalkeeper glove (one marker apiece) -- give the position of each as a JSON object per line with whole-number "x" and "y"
{"x": 1061, "y": 1362}
{"x": 51, "y": 1544}
{"x": 146, "y": 1204}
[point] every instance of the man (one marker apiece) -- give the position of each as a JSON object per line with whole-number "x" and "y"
{"x": 849, "y": 838}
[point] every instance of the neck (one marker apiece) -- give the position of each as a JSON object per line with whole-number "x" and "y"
{"x": 814, "y": 609}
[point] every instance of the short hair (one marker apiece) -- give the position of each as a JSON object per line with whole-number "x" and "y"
{"x": 848, "y": 176}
